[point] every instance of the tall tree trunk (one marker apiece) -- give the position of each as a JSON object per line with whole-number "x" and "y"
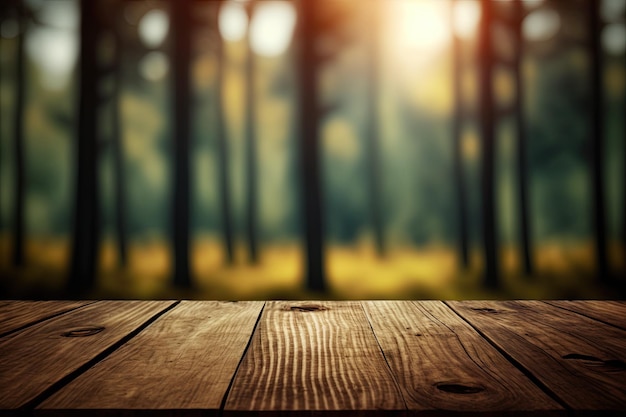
{"x": 118, "y": 154}
{"x": 457, "y": 123}
{"x": 85, "y": 243}
{"x": 18, "y": 143}
{"x": 251, "y": 146}
{"x": 488, "y": 137}
{"x": 373, "y": 133}
{"x": 597, "y": 139}
{"x": 181, "y": 58}
{"x": 522, "y": 174}
{"x": 309, "y": 148}
{"x": 222, "y": 148}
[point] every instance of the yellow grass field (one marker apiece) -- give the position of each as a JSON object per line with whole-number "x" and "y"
{"x": 354, "y": 272}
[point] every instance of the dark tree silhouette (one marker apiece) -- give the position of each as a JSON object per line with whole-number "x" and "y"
{"x": 18, "y": 140}
{"x": 597, "y": 138}
{"x": 373, "y": 132}
{"x": 522, "y": 174}
{"x": 116, "y": 70}
{"x": 118, "y": 150}
{"x": 457, "y": 122}
{"x": 180, "y": 16}
{"x": 488, "y": 139}
{"x": 86, "y": 213}
{"x": 308, "y": 63}
{"x": 251, "y": 145}
{"x": 222, "y": 145}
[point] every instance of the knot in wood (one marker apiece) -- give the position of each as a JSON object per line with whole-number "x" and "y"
{"x": 83, "y": 331}
{"x": 307, "y": 308}
{"x": 485, "y": 309}
{"x": 459, "y": 388}
{"x": 609, "y": 365}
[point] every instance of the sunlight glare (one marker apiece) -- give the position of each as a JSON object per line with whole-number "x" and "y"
{"x": 233, "y": 21}
{"x": 420, "y": 25}
{"x": 272, "y": 28}
{"x": 55, "y": 52}
{"x": 153, "y": 28}
{"x": 465, "y": 18}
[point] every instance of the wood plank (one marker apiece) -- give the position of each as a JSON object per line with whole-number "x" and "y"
{"x": 442, "y": 364}
{"x": 33, "y": 360}
{"x": 610, "y": 312}
{"x": 185, "y": 361}
{"x": 580, "y": 360}
{"x": 16, "y": 315}
{"x": 313, "y": 356}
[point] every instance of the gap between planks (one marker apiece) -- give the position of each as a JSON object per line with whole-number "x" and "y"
{"x": 15, "y": 320}
{"x": 579, "y": 359}
{"x": 44, "y": 357}
{"x": 470, "y": 321}
{"x": 57, "y": 386}
{"x": 243, "y": 355}
{"x": 529, "y": 374}
{"x": 457, "y": 369}
{"x": 181, "y": 365}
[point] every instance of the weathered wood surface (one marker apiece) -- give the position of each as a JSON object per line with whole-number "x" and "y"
{"x": 314, "y": 356}
{"x": 611, "y": 312}
{"x": 443, "y": 365}
{"x": 15, "y": 315}
{"x": 183, "y": 361}
{"x": 578, "y": 359}
{"x": 379, "y": 358}
{"x": 37, "y": 358}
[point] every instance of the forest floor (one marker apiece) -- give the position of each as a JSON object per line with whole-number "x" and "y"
{"x": 563, "y": 271}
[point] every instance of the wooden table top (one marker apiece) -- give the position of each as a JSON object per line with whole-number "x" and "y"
{"x": 313, "y": 358}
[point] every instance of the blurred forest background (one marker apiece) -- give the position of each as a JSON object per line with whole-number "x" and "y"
{"x": 312, "y": 148}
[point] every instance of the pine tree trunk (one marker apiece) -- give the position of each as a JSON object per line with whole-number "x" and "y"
{"x": 85, "y": 243}
{"x": 597, "y": 140}
{"x": 222, "y": 148}
{"x": 309, "y": 149}
{"x": 118, "y": 155}
{"x": 251, "y": 147}
{"x": 457, "y": 138}
{"x": 18, "y": 143}
{"x": 181, "y": 57}
{"x": 488, "y": 136}
{"x": 522, "y": 174}
{"x": 373, "y": 134}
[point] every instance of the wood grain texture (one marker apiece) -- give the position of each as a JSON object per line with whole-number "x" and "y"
{"x": 36, "y": 358}
{"x": 314, "y": 357}
{"x": 15, "y": 315}
{"x": 611, "y": 312}
{"x": 580, "y": 360}
{"x": 443, "y": 365}
{"x": 184, "y": 361}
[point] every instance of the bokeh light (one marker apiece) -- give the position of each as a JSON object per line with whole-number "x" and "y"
{"x": 271, "y": 29}
{"x": 153, "y": 28}
{"x": 541, "y": 25}
{"x": 233, "y": 21}
{"x": 614, "y": 39}
{"x": 465, "y": 18}
{"x": 154, "y": 66}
